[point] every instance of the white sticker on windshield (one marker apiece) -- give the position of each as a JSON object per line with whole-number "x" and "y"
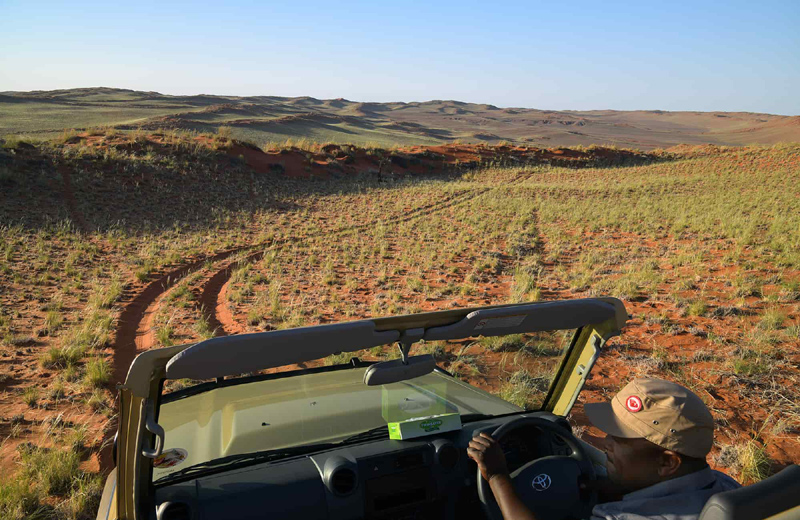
{"x": 170, "y": 458}
{"x": 500, "y": 323}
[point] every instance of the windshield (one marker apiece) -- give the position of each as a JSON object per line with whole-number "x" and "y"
{"x": 331, "y": 404}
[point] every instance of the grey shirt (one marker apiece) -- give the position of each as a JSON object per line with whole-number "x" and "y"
{"x": 678, "y": 499}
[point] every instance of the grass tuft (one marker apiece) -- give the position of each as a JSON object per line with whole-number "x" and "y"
{"x": 98, "y": 373}
{"x": 507, "y": 343}
{"x": 524, "y": 389}
{"x": 30, "y": 396}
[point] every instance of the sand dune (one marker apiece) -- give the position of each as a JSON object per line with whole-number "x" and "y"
{"x": 426, "y": 122}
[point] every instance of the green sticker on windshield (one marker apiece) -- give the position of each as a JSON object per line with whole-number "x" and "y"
{"x": 421, "y": 426}
{"x": 430, "y": 425}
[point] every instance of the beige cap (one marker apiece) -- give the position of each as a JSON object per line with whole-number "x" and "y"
{"x": 663, "y": 412}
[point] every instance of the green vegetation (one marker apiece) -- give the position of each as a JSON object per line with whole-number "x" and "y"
{"x": 45, "y": 473}
{"x": 748, "y": 460}
{"x": 503, "y": 343}
{"x": 202, "y": 327}
{"x": 702, "y": 244}
{"x": 525, "y": 389}
{"x": 339, "y": 359}
{"x": 61, "y": 357}
{"x": 31, "y": 396}
{"x": 164, "y": 335}
{"x": 98, "y": 372}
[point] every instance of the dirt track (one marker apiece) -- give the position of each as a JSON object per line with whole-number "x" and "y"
{"x": 135, "y": 332}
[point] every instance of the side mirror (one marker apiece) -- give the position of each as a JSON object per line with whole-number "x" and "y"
{"x": 394, "y": 371}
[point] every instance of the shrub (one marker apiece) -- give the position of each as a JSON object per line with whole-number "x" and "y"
{"x": 105, "y": 297}
{"x": 772, "y": 319}
{"x": 84, "y": 498}
{"x": 56, "y": 390}
{"x": 52, "y": 321}
{"x": 524, "y": 287}
{"x": 340, "y": 358}
{"x": 749, "y": 460}
{"x": 164, "y": 336}
{"x": 47, "y": 472}
{"x": 750, "y": 367}
{"x": 203, "y": 328}
{"x": 93, "y": 332}
{"x": 97, "y": 401}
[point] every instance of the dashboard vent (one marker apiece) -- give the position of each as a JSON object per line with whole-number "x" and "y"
{"x": 343, "y": 481}
{"x": 174, "y": 511}
{"x": 447, "y": 455}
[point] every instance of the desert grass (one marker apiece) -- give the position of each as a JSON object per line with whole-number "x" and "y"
{"x": 47, "y": 473}
{"x": 748, "y": 460}
{"x": 525, "y": 389}
{"x": 702, "y": 246}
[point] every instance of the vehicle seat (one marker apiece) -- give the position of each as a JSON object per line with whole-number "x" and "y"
{"x": 778, "y": 494}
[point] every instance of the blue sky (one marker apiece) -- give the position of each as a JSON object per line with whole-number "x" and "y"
{"x": 732, "y": 56}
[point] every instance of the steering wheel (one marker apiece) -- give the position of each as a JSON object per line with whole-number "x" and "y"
{"x": 548, "y": 485}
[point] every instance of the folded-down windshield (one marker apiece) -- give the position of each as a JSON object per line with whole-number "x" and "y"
{"x": 332, "y": 404}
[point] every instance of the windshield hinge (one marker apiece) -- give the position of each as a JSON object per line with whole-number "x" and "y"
{"x": 408, "y": 338}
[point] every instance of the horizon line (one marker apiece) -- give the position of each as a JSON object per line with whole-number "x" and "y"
{"x": 499, "y": 107}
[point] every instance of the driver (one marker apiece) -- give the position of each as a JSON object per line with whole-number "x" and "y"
{"x": 658, "y": 434}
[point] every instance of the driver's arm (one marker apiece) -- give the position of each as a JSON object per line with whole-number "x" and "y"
{"x": 485, "y": 451}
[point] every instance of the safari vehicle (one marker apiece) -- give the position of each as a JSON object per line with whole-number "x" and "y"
{"x": 359, "y": 440}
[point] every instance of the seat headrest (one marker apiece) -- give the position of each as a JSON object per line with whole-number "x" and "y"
{"x": 777, "y": 494}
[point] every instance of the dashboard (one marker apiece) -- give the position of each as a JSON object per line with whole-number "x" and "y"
{"x": 429, "y": 477}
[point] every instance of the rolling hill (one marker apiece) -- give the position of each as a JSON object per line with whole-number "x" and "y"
{"x": 262, "y": 119}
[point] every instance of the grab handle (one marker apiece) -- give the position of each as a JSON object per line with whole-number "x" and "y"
{"x": 154, "y": 428}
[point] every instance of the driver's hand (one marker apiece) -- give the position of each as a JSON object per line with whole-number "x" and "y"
{"x": 487, "y": 454}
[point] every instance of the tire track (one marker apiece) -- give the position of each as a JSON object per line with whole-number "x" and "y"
{"x": 134, "y": 330}
{"x": 213, "y": 301}
{"x": 133, "y": 334}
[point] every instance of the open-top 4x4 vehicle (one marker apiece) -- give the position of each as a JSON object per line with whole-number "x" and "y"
{"x": 357, "y": 440}
{"x": 316, "y": 443}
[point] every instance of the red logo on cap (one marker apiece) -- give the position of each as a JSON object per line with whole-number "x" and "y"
{"x": 633, "y": 404}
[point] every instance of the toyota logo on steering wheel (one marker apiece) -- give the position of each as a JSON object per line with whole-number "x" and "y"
{"x": 541, "y": 482}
